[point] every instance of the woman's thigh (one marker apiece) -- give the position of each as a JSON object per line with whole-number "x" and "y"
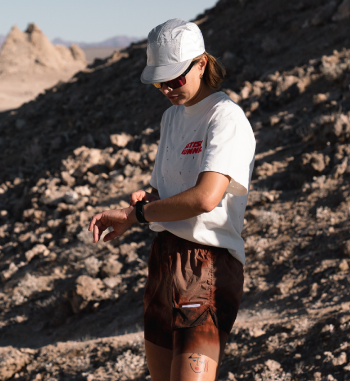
{"x": 159, "y": 361}
{"x": 197, "y": 355}
{"x": 198, "y": 352}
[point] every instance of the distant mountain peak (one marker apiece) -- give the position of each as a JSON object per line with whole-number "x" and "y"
{"x": 116, "y": 42}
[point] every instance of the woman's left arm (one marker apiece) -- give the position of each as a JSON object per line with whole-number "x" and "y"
{"x": 202, "y": 198}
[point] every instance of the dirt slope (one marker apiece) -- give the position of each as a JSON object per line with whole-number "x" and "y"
{"x": 84, "y": 145}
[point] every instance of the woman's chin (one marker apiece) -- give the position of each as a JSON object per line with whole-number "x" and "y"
{"x": 177, "y": 101}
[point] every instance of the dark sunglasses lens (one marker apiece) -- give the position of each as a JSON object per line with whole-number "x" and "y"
{"x": 177, "y": 82}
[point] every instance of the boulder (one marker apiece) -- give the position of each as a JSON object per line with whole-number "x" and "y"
{"x": 86, "y": 289}
{"x": 111, "y": 267}
{"x": 37, "y": 250}
{"x": 120, "y": 140}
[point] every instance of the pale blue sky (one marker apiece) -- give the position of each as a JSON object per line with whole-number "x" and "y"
{"x": 95, "y": 20}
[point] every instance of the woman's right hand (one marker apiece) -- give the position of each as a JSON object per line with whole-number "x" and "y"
{"x": 141, "y": 195}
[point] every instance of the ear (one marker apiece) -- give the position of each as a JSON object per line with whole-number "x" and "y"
{"x": 203, "y": 62}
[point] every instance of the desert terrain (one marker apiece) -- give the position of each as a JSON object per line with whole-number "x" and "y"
{"x": 72, "y": 310}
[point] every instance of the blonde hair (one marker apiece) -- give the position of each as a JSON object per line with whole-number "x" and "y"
{"x": 214, "y": 71}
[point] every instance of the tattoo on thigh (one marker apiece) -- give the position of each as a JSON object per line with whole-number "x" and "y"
{"x": 198, "y": 363}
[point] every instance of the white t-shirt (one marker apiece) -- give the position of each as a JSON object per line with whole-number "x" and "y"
{"x": 212, "y": 135}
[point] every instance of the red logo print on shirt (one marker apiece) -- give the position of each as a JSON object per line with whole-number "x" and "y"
{"x": 193, "y": 147}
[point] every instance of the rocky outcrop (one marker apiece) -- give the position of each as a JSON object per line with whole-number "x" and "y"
{"x": 31, "y": 51}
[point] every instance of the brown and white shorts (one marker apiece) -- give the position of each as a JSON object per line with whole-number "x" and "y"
{"x": 186, "y": 282}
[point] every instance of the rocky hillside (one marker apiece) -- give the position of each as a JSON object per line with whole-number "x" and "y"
{"x": 84, "y": 145}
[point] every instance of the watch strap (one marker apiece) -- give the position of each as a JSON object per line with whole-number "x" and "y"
{"x": 139, "y": 212}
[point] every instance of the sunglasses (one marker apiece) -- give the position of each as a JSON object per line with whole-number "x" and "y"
{"x": 176, "y": 82}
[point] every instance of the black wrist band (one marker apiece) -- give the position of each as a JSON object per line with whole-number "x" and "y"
{"x": 139, "y": 212}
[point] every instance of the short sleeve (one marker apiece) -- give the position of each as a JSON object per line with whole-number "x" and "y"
{"x": 230, "y": 149}
{"x": 153, "y": 181}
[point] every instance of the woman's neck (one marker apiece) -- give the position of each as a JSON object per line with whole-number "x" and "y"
{"x": 203, "y": 92}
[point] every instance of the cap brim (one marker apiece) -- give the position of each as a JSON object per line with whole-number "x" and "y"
{"x": 152, "y": 74}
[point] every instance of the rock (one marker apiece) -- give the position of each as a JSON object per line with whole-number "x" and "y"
{"x": 120, "y": 140}
{"x": 346, "y": 248}
{"x": 344, "y": 266}
{"x": 33, "y": 214}
{"x": 328, "y": 378}
{"x": 12, "y": 361}
{"x": 52, "y": 197}
{"x": 233, "y": 95}
{"x": 111, "y": 267}
{"x": 85, "y": 236}
{"x": 320, "y": 98}
{"x": 317, "y": 161}
{"x": 341, "y": 360}
{"x": 7, "y": 274}
{"x": 343, "y": 11}
{"x": 86, "y": 289}
{"x": 254, "y": 106}
{"x": 331, "y": 68}
{"x": 284, "y": 83}
{"x": 83, "y": 190}
{"x": 341, "y": 124}
{"x": 67, "y": 179}
{"x": 274, "y": 119}
{"x": 151, "y": 156}
{"x": 29, "y": 286}
{"x": 131, "y": 171}
{"x": 92, "y": 266}
{"x": 37, "y": 250}
{"x": 283, "y": 288}
{"x": 273, "y": 365}
{"x": 314, "y": 289}
{"x": 256, "y": 332}
{"x": 31, "y": 51}
{"x": 133, "y": 157}
{"x": 245, "y": 91}
{"x": 86, "y": 158}
{"x": 71, "y": 197}
{"x": 116, "y": 176}
{"x": 340, "y": 169}
{"x": 267, "y": 218}
{"x": 112, "y": 282}
{"x": 77, "y": 53}
{"x": 231, "y": 377}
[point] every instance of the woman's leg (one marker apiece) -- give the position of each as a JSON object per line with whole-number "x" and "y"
{"x": 198, "y": 352}
{"x": 158, "y": 361}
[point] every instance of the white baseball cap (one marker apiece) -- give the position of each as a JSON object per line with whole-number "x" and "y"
{"x": 170, "y": 50}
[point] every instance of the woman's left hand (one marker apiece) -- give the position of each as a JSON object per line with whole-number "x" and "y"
{"x": 120, "y": 220}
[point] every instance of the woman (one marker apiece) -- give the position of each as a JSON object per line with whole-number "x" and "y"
{"x": 200, "y": 185}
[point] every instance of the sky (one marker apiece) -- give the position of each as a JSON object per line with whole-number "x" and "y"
{"x": 96, "y": 20}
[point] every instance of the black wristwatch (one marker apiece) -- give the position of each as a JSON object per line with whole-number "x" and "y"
{"x": 139, "y": 212}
